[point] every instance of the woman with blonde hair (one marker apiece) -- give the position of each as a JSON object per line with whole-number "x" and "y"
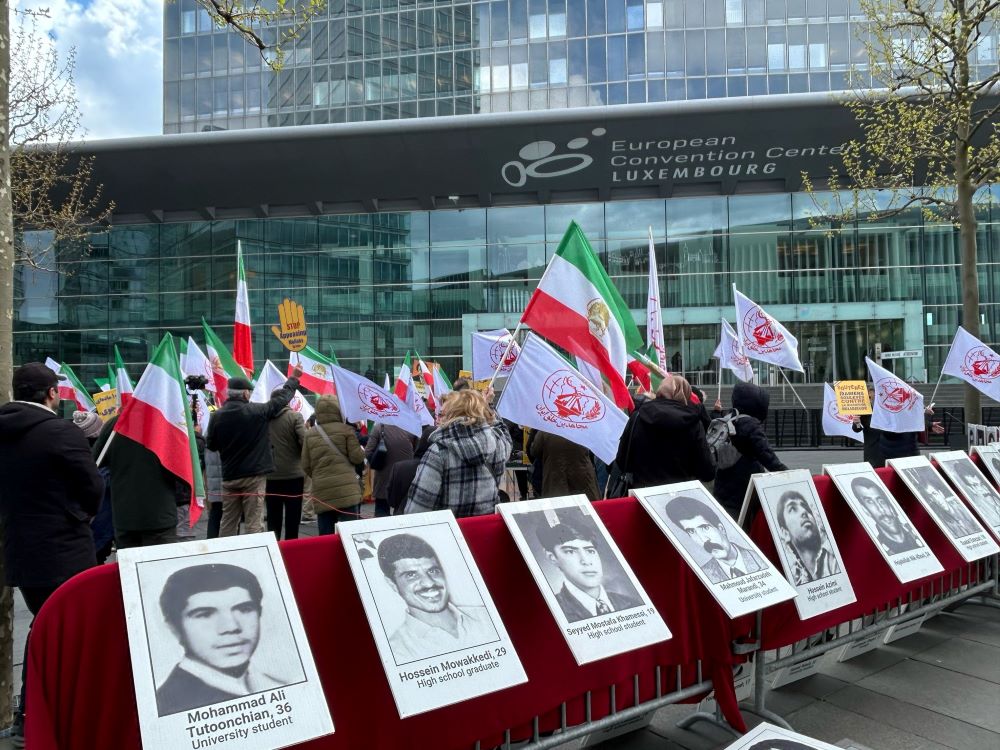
{"x": 465, "y": 461}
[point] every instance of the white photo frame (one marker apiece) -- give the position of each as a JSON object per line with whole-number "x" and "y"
{"x": 969, "y": 538}
{"x": 438, "y": 633}
{"x": 972, "y": 482}
{"x": 572, "y": 557}
{"x": 770, "y": 737}
{"x": 902, "y": 547}
{"x": 198, "y": 612}
{"x": 738, "y": 577}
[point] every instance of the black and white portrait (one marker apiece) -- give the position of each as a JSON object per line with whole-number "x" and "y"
{"x": 804, "y": 540}
{"x": 586, "y": 578}
{"x": 950, "y": 512}
{"x": 974, "y": 486}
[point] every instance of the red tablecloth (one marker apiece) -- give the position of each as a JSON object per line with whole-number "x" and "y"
{"x": 874, "y": 583}
{"x": 80, "y": 677}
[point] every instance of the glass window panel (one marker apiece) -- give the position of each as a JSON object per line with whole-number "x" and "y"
{"x": 715, "y": 42}
{"x": 675, "y": 53}
{"x": 760, "y": 213}
{"x": 576, "y": 18}
{"x": 656, "y": 57}
{"x": 596, "y": 22}
{"x": 694, "y": 13}
{"x": 596, "y": 62}
{"x": 637, "y": 57}
{"x": 590, "y": 217}
{"x": 734, "y": 12}
{"x": 696, "y": 216}
{"x": 616, "y": 58}
{"x": 498, "y": 22}
{"x": 654, "y": 15}
{"x": 715, "y": 13}
{"x": 616, "y": 16}
{"x": 518, "y": 20}
{"x": 695, "y": 46}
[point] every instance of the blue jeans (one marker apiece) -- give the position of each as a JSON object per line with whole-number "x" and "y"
{"x": 326, "y": 523}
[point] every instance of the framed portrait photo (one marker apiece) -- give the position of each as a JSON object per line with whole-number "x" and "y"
{"x": 437, "y": 630}
{"x": 892, "y": 533}
{"x": 219, "y": 655}
{"x": 770, "y": 737}
{"x": 801, "y": 532}
{"x": 591, "y": 590}
{"x": 969, "y": 538}
{"x": 719, "y": 552}
{"x": 973, "y": 484}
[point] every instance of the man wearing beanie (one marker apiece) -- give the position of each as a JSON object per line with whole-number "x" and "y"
{"x": 49, "y": 491}
{"x": 239, "y": 432}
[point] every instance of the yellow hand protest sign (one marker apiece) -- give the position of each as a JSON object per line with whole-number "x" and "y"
{"x": 291, "y": 328}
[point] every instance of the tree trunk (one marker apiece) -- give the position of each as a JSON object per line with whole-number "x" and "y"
{"x": 6, "y": 342}
{"x": 970, "y": 284}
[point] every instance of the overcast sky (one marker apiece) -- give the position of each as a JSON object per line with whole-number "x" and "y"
{"x": 119, "y": 61}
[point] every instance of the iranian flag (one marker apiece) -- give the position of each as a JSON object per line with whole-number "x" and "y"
{"x": 158, "y": 417}
{"x": 317, "y": 372}
{"x": 122, "y": 381}
{"x": 404, "y": 381}
{"x": 430, "y": 375}
{"x": 578, "y": 308}
{"x": 641, "y": 372}
{"x": 70, "y": 387}
{"x": 223, "y": 364}
{"x": 242, "y": 337}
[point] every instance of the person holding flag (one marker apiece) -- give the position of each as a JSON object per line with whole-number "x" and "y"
{"x": 898, "y": 415}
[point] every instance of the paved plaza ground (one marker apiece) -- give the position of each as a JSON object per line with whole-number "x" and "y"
{"x": 934, "y": 690}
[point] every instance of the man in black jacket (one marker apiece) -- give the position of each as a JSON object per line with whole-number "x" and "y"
{"x": 49, "y": 490}
{"x": 239, "y": 431}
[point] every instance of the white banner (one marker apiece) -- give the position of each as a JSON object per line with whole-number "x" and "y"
{"x": 488, "y": 349}
{"x": 897, "y": 407}
{"x": 361, "y": 400}
{"x": 545, "y": 392}
{"x": 731, "y": 355}
{"x": 836, "y": 424}
{"x": 975, "y": 363}
{"x": 195, "y": 362}
{"x": 654, "y": 317}
{"x": 269, "y": 380}
{"x": 764, "y": 338}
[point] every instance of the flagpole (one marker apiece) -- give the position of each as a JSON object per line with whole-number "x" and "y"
{"x": 782, "y": 371}
{"x": 104, "y": 450}
{"x": 510, "y": 345}
{"x": 720, "y": 380}
{"x": 937, "y": 385}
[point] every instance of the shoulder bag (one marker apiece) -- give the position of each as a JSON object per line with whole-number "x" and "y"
{"x": 620, "y": 484}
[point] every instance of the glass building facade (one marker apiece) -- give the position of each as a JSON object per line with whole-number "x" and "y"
{"x": 390, "y": 59}
{"x": 374, "y": 285}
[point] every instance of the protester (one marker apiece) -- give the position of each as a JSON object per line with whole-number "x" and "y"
{"x": 465, "y": 462}
{"x": 285, "y": 484}
{"x": 101, "y": 526}
{"x": 331, "y": 456}
{"x": 567, "y": 468}
{"x": 143, "y": 494}
{"x": 401, "y": 476}
{"x": 750, "y": 402}
{"x": 239, "y": 432}
{"x": 399, "y": 446}
{"x": 664, "y": 439}
{"x": 213, "y": 488}
{"x": 49, "y": 491}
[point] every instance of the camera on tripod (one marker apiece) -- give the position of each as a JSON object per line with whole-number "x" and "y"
{"x": 196, "y": 382}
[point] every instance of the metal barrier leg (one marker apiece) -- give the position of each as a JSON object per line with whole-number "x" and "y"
{"x": 715, "y": 719}
{"x": 760, "y": 689}
{"x": 989, "y": 598}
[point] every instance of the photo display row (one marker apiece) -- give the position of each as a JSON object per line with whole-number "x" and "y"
{"x": 220, "y": 657}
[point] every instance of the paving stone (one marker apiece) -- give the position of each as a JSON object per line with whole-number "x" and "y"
{"x": 829, "y": 723}
{"x": 702, "y": 736}
{"x": 966, "y": 656}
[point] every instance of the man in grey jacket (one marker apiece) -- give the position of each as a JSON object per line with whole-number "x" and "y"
{"x": 283, "y": 497}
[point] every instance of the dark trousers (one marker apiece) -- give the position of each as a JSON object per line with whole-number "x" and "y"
{"x": 214, "y": 519}
{"x": 382, "y": 507}
{"x": 522, "y": 482}
{"x": 34, "y": 597}
{"x": 278, "y": 502}
{"x": 150, "y": 538}
{"x": 326, "y": 523}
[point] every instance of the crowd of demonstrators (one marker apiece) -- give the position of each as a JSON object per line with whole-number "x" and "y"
{"x": 333, "y": 459}
{"x": 50, "y": 490}
{"x": 465, "y": 461}
{"x": 567, "y": 468}
{"x": 397, "y": 445}
{"x": 284, "y": 487}
{"x": 240, "y": 432}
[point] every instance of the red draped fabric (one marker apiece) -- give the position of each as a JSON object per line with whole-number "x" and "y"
{"x": 80, "y": 676}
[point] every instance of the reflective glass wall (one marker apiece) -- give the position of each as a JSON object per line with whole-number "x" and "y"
{"x": 375, "y": 285}
{"x": 389, "y": 59}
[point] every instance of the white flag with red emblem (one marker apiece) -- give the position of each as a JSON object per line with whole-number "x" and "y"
{"x": 488, "y": 349}
{"x": 897, "y": 407}
{"x": 196, "y": 363}
{"x": 731, "y": 355}
{"x": 836, "y": 424}
{"x": 764, "y": 338}
{"x": 654, "y": 319}
{"x": 975, "y": 363}
{"x": 269, "y": 380}
{"x": 361, "y": 400}
{"x": 545, "y": 392}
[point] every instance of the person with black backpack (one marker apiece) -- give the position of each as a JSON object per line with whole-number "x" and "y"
{"x": 740, "y": 447}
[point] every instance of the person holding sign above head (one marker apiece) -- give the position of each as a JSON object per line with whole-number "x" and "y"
{"x": 214, "y": 611}
{"x": 808, "y": 553}
{"x": 573, "y": 550}
{"x": 701, "y": 523}
{"x": 893, "y": 533}
{"x": 433, "y": 624}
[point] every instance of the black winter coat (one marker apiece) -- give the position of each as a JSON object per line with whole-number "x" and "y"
{"x": 731, "y": 484}
{"x": 49, "y": 490}
{"x": 240, "y": 432}
{"x": 667, "y": 444}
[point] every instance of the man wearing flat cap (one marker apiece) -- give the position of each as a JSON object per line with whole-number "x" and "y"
{"x": 239, "y": 432}
{"x": 572, "y": 548}
{"x": 49, "y": 490}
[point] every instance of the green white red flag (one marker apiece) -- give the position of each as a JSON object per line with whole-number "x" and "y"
{"x": 242, "y": 335}
{"x": 122, "y": 381}
{"x": 158, "y": 417}
{"x": 223, "y": 364}
{"x": 70, "y": 387}
{"x": 317, "y": 371}
{"x": 578, "y": 308}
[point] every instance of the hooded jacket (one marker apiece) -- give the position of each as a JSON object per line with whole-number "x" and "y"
{"x": 333, "y": 472}
{"x": 461, "y": 470}
{"x": 751, "y": 401}
{"x": 49, "y": 490}
{"x": 567, "y": 468}
{"x": 288, "y": 434}
{"x": 668, "y": 444}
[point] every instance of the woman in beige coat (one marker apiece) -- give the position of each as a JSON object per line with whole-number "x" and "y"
{"x": 330, "y": 455}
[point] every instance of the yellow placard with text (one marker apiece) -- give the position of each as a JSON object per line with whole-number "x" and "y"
{"x": 852, "y": 397}
{"x": 106, "y": 403}
{"x": 291, "y": 328}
